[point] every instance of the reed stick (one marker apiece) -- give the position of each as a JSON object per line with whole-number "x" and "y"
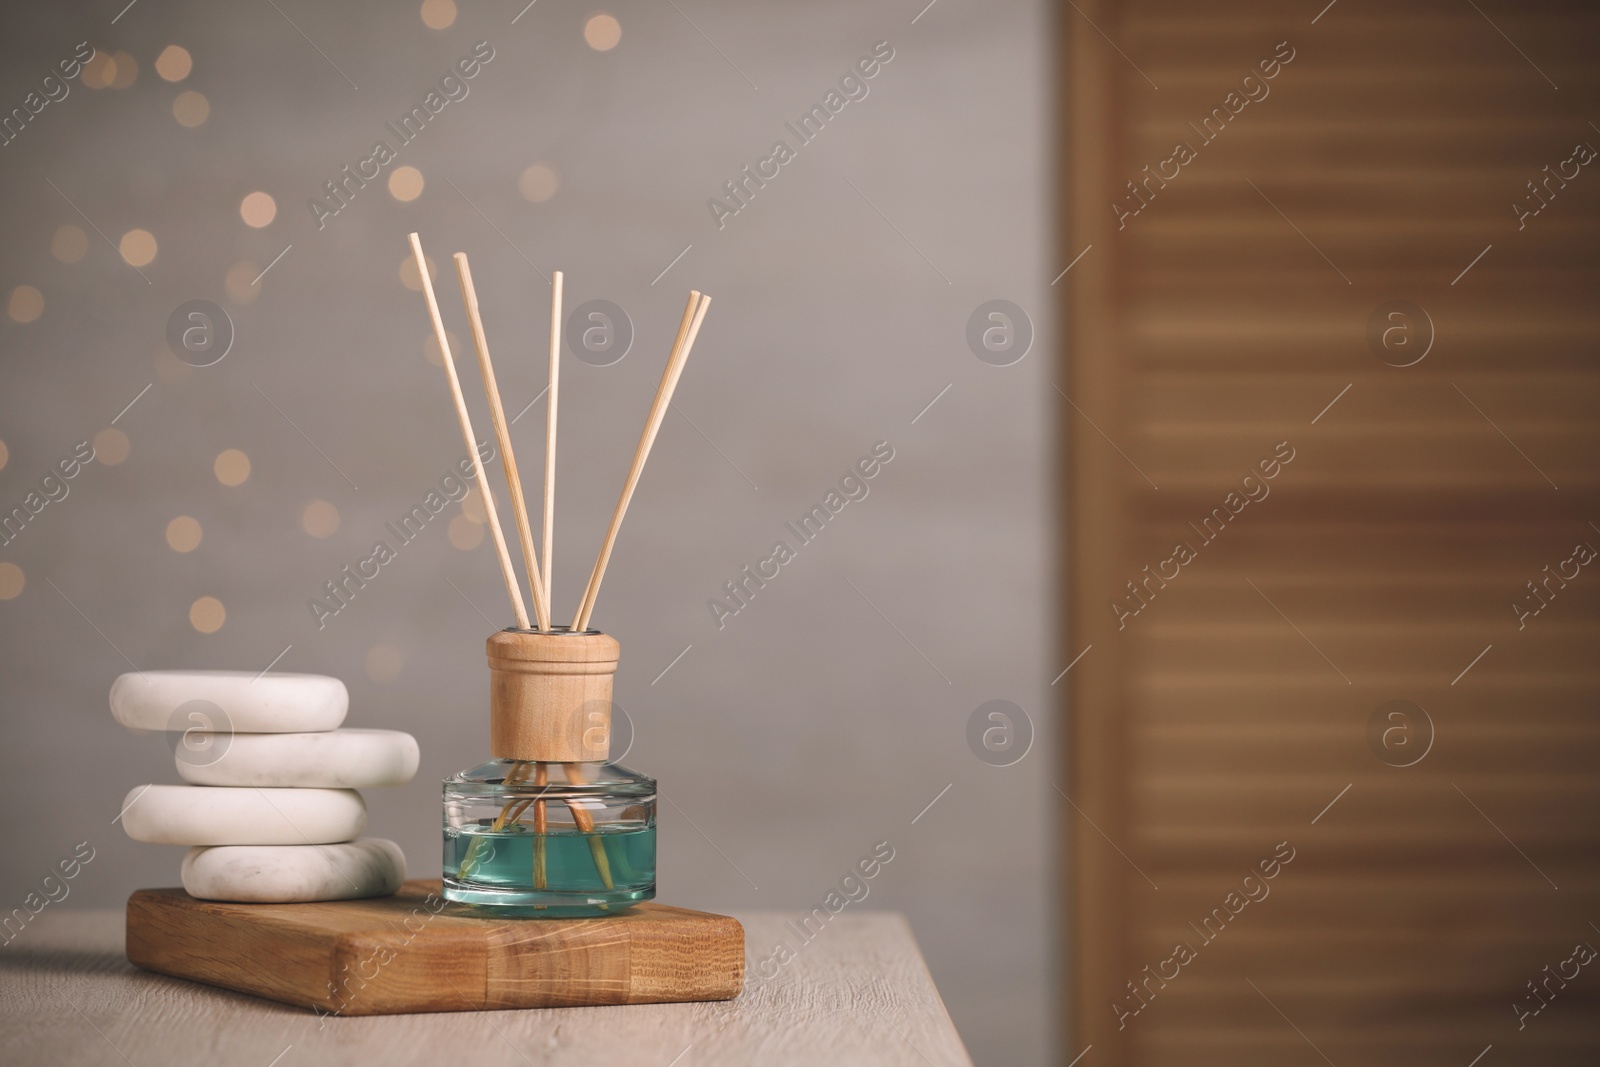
{"x": 502, "y": 432}
{"x": 541, "y": 777}
{"x": 577, "y": 775}
{"x": 509, "y": 813}
{"x": 513, "y": 810}
{"x": 513, "y": 588}
{"x": 688, "y": 328}
{"x": 547, "y": 543}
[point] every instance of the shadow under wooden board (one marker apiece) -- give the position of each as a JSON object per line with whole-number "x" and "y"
{"x": 415, "y": 952}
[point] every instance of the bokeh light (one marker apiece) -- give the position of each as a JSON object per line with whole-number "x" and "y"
{"x": 465, "y": 534}
{"x": 183, "y": 534}
{"x": 405, "y": 184}
{"x": 438, "y": 14}
{"x": 69, "y": 244}
{"x": 124, "y": 70}
{"x": 320, "y": 519}
{"x": 383, "y": 664}
{"x": 602, "y": 32}
{"x": 138, "y": 247}
{"x": 207, "y": 614}
{"x": 111, "y": 446}
{"x": 26, "y": 304}
{"x": 538, "y": 183}
{"x": 412, "y": 280}
{"x": 191, "y": 108}
{"x": 12, "y": 581}
{"x": 240, "y": 282}
{"x": 174, "y": 63}
{"x": 99, "y": 71}
{"x": 258, "y": 209}
{"x": 430, "y": 347}
{"x": 232, "y": 467}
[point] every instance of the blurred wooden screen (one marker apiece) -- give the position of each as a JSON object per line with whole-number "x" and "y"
{"x": 1235, "y": 315}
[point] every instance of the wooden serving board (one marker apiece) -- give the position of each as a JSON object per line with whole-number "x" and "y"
{"x": 414, "y": 952}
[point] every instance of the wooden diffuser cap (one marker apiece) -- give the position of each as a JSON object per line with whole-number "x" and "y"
{"x": 550, "y": 695}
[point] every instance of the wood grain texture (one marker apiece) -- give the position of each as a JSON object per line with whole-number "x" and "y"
{"x": 416, "y": 952}
{"x": 550, "y": 695}
{"x": 858, "y": 994}
{"x": 1228, "y": 314}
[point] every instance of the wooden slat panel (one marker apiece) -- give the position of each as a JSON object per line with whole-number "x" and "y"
{"x": 1231, "y": 712}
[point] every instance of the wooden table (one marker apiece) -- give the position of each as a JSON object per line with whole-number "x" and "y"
{"x": 859, "y": 994}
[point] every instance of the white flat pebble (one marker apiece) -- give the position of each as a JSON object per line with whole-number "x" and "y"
{"x": 229, "y": 701}
{"x": 210, "y": 815}
{"x": 338, "y": 759}
{"x": 290, "y": 874}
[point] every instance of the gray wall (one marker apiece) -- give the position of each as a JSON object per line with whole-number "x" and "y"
{"x": 819, "y": 720}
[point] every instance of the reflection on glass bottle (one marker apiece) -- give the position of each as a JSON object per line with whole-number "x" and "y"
{"x": 549, "y": 839}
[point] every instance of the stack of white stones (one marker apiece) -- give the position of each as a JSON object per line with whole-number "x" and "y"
{"x": 270, "y": 807}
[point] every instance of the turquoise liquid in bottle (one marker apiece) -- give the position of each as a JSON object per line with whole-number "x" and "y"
{"x": 550, "y": 840}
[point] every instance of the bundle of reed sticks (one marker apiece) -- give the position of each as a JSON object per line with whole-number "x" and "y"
{"x": 539, "y": 565}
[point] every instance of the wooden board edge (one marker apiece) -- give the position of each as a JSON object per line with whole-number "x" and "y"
{"x": 718, "y": 968}
{"x": 154, "y": 943}
{"x": 669, "y": 955}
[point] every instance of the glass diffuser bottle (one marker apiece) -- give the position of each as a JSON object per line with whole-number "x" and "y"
{"x": 548, "y": 827}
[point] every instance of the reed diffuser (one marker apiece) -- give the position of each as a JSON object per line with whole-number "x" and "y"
{"x": 548, "y": 827}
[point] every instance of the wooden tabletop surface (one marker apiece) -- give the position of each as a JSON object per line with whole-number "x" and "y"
{"x": 858, "y": 994}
